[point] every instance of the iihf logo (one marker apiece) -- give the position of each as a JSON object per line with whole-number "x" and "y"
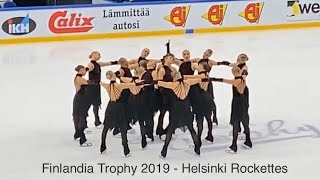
{"x": 19, "y": 25}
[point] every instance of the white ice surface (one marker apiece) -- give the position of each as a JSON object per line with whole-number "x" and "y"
{"x": 36, "y": 94}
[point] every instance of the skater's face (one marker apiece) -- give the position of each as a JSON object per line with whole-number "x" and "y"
{"x": 207, "y": 54}
{"x": 186, "y": 55}
{"x": 151, "y": 64}
{"x": 145, "y": 52}
{"x": 95, "y": 56}
{"x": 82, "y": 71}
{"x": 242, "y": 58}
{"x": 169, "y": 59}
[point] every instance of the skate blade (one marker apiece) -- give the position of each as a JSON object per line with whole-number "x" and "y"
{"x": 131, "y": 131}
{"x": 117, "y": 135}
{"x": 128, "y": 155}
{"x": 207, "y": 142}
{"x": 78, "y": 139}
{"x": 103, "y": 152}
{"x": 246, "y": 147}
{"x": 162, "y": 157}
{"x": 241, "y": 138}
{"x": 230, "y": 151}
{"x": 145, "y": 148}
{"x": 86, "y": 145}
{"x": 100, "y": 126}
{"x": 88, "y": 132}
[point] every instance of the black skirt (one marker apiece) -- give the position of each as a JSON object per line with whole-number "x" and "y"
{"x": 180, "y": 114}
{"x": 81, "y": 105}
{"x": 95, "y": 94}
{"x": 239, "y": 109}
{"x": 115, "y": 116}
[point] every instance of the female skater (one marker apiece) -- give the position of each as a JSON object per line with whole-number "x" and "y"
{"x": 164, "y": 74}
{"x": 115, "y": 112}
{"x": 203, "y": 102}
{"x": 180, "y": 113}
{"x": 239, "y": 109}
{"x": 206, "y": 55}
{"x": 241, "y": 63}
{"x": 94, "y": 68}
{"x": 150, "y": 100}
{"x": 81, "y": 105}
{"x": 125, "y": 71}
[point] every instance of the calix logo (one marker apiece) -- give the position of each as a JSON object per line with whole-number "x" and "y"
{"x": 297, "y": 8}
{"x": 216, "y": 13}
{"x": 252, "y": 12}
{"x": 60, "y": 23}
{"x": 178, "y": 16}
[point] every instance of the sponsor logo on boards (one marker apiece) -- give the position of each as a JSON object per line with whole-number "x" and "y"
{"x": 62, "y": 22}
{"x": 178, "y": 16}
{"x": 19, "y": 25}
{"x": 252, "y": 12}
{"x": 303, "y": 11}
{"x": 216, "y": 13}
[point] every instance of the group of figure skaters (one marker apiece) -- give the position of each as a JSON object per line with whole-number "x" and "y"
{"x": 156, "y": 86}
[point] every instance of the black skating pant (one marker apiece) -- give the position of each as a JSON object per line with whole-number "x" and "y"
{"x": 80, "y": 124}
{"x": 123, "y": 137}
{"x": 236, "y": 129}
{"x": 199, "y": 119}
{"x": 170, "y": 130}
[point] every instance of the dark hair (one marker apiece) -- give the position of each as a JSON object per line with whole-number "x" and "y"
{"x": 206, "y": 67}
{"x": 78, "y": 68}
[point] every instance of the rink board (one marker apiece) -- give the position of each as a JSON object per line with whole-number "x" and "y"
{"x": 62, "y": 23}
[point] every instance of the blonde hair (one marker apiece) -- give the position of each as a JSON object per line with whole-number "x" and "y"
{"x": 138, "y": 71}
{"x": 235, "y": 70}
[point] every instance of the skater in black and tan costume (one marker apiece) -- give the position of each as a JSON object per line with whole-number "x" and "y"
{"x": 180, "y": 113}
{"x": 94, "y": 68}
{"x": 115, "y": 114}
{"x": 125, "y": 71}
{"x": 205, "y": 59}
{"x": 81, "y": 104}
{"x": 203, "y": 102}
{"x": 239, "y": 109}
{"x": 241, "y": 64}
{"x": 165, "y": 74}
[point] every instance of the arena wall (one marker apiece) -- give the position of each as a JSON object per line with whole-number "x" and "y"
{"x": 60, "y": 23}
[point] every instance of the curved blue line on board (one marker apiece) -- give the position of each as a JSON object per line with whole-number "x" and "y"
{"x": 112, "y": 5}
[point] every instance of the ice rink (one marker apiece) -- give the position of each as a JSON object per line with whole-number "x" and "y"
{"x": 36, "y": 95}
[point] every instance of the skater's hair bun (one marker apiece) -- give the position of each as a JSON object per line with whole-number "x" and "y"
{"x": 242, "y": 55}
{"x": 235, "y": 70}
{"x": 122, "y": 60}
{"x": 205, "y": 65}
{"x": 109, "y": 73}
{"x": 169, "y": 54}
{"x": 143, "y": 63}
{"x": 78, "y": 68}
{"x": 138, "y": 71}
{"x": 209, "y": 51}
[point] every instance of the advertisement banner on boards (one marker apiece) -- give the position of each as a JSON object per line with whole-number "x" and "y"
{"x": 303, "y": 10}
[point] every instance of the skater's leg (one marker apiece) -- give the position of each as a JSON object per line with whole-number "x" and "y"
{"x": 103, "y": 146}
{"x": 97, "y": 121}
{"x": 195, "y": 139}
{"x": 125, "y": 142}
{"x": 169, "y": 133}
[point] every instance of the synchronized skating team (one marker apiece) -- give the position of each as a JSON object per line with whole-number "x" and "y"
{"x": 156, "y": 86}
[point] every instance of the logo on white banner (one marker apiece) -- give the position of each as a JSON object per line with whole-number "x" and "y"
{"x": 298, "y": 11}
{"x": 19, "y": 25}
{"x": 61, "y": 22}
